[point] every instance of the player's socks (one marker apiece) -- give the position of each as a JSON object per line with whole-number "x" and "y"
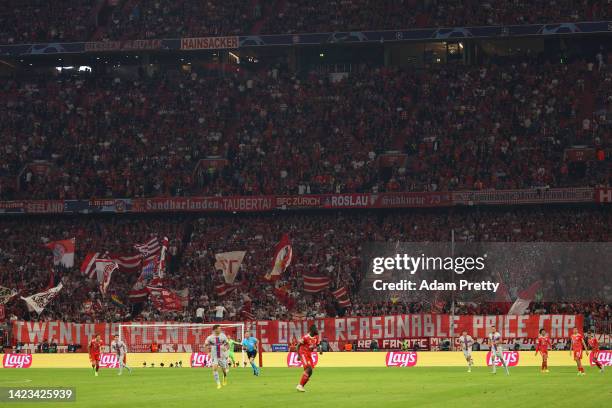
{"x": 304, "y": 379}
{"x": 216, "y": 375}
{"x": 254, "y": 367}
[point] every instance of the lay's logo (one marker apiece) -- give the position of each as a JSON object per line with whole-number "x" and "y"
{"x": 109, "y": 360}
{"x": 17, "y": 361}
{"x": 401, "y": 359}
{"x": 511, "y": 357}
{"x": 604, "y": 357}
{"x": 294, "y": 361}
{"x": 200, "y": 360}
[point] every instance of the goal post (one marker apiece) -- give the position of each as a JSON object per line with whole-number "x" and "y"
{"x": 177, "y": 337}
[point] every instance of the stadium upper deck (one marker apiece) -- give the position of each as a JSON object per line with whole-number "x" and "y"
{"x": 30, "y": 21}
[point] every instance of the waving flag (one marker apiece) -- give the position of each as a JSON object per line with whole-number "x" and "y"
{"x": 524, "y": 299}
{"x": 139, "y": 292}
{"x": 165, "y": 300}
{"x": 224, "y": 289}
{"x": 6, "y": 294}
{"x": 117, "y": 301}
{"x": 342, "y": 297}
{"x": 315, "y": 284}
{"x": 127, "y": 263}
{"x": 148, "y": 268}
{"x": 229, "y": 263}
{"x": 104, "y": 270}
{"x": 88, "y": 267}
{"x": 282, "y": 258}
{"x": 63, "y": 252}
{"x": 40, "y": 300}
{"x": 151, "y": 247}
{"x": 161, "y": 265}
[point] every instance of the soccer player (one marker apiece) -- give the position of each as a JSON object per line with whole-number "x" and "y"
{"x": 120, "y": 349}
{"x": 250, "y": 343}
{"x": 594, "y": 345}
{"x": 467, "y": 342}
{"x": 543, "y": 343}
{"x": 94, "y": 353}
{"x": 230, "y": 352}
{"x": 217, "y": 345}
{"x": 306, "y": 346}
{"x": 577, "y": 347}
{"x": 497, "y": 350}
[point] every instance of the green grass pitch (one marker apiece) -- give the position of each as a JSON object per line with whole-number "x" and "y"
{"x": 329, "y": 387}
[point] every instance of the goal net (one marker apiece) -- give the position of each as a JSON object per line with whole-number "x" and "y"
{"x": 178, "y": 337}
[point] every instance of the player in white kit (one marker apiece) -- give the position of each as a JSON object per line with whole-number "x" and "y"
{"x": 120, "y": 349}
{"x": 497, "y": 350}
{"x": 217, "y": 346}
{"x": 466, "y": 342}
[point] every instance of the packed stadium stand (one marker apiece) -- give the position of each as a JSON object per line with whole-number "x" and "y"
{"x": 269, "y": 122}
{"x": 28, "y": 21}
{"x": 324, "y": 245}
{"x": 271, "y": 126}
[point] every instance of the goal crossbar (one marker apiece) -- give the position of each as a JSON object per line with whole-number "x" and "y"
{"x": 147, "y": 339}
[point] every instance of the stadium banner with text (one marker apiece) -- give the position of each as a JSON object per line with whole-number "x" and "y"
{"x": 310, "y": 201}
{"x": 603, "y": 195}
{"x": 334, "y": 330}
{"x": 525, "y": 196}
{"x": 269, "y": 359}
{"x": 209, "y": 43}
{"x": 288, "y": 40}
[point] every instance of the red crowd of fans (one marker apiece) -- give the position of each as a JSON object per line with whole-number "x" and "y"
{"x": 27, "y": 21}
{"x": 325, "y": 244}
{"x": 454, "y": 127}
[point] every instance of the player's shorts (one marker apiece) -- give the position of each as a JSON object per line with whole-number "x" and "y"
{"x": 595, "y": 354}
{"x": 577, "y": 354}
{"x": 121, "y": 357}
{"x": 544, "y": 353}
{"x": 221, "y": 362}
{"x": 467, "y": 353}
{"x": 306, "y": 359}
{"x": 94, "y": 358}
{"x": 251, "y": 353}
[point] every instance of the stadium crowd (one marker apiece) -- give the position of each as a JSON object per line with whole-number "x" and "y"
{"x": 28, "y": 21}
{"x": 324, "y": 244}
{"x": 454, "y": 127}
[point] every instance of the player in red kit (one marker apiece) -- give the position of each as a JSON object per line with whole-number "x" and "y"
{"x": 543, "y": 343}
{"x": 306, "y": 346}
{"x": 594, "y": 345}
{"x": 578, "y": 347}
{"x": 94, "y": 353}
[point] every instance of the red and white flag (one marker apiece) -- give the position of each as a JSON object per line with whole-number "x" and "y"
{"x": 229, "y": 263}
{"x": 139, "y": 291}
{"x": 63, "y": 252}
{"x": 126, "y": 263}
{"x": 525, "y": 297}
{"x": 315, "y": 284}
{"x": 224, "y": 289}
{"x": 165, "y": 300}
{"x": 88, "y": 267}
{"x": 104, "y": 271}
{"x": 39, "y": 301}
{"x": 151, "y": 247}
{"x": 283, "y": 253}
{"x": 161, "y": 266}
{"x": 342, "y": 297}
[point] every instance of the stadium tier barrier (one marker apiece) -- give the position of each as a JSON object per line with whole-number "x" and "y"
{"x": 282, "y": 359}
